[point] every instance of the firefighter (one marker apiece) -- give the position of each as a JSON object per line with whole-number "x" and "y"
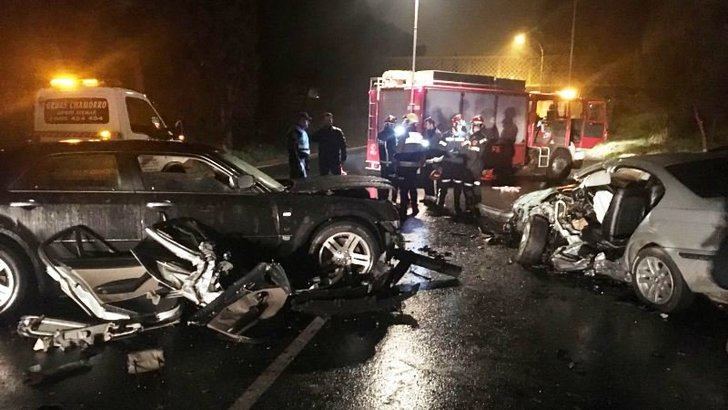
{"x": 473, "y": 155}
{"x": 409, "y": 158}
{"x": 432, "y": 138}
{"x": 387, "y": 148}
{"x": 299, "y": 149}
{"x": 332, "y": 146}
{"x": 453, "y": 164}
{"x": 503, "y": 169}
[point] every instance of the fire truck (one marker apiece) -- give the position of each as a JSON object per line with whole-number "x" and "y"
{"x": 553, "y": 129}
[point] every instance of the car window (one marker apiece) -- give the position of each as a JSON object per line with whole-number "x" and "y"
{"x": 72, "y": 172}
{"x": 245, "y": 168}
{"x": 706, "y": 178}
{"x": 143, "y": 119}
{"x": 178, "y": 173}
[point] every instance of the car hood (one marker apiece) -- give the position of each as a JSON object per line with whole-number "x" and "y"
{"x": 533, "y": 198}
{"x": 320, "y": 184}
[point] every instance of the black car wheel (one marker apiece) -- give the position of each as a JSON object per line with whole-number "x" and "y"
{"x": 345, "y": 245}
{"x": 533, "y": 241}
{"x": 14, "y": 285}
{"x": 657, "y": 281}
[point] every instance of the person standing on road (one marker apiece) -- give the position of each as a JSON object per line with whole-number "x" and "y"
{"x": 299, "y": 149}
{"x": 453, "y": 163}
{"x": 473, "y": 155}
{"x": 432, "y": 139}
{"x": 410, "y": 157}
{"x": 332, "y": 146}
{"x": 387, "y": 148}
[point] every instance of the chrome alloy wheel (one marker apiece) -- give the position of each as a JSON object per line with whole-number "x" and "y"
{"x": 346, "y": 250}
{"x": 654, "y": 280}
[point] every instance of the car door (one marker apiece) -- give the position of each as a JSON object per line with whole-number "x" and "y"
{"x": 84, "y": 188}
{"x": 186, "y": 185}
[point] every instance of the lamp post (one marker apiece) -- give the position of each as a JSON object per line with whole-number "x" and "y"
{"x": 414, "y": 57}
{"x": 520, "y": 40}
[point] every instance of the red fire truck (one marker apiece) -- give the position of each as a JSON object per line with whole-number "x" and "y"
{"x": 554, "y": 129}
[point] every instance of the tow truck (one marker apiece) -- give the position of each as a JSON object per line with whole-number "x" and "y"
{"x": 553, "y": 129}
{"x": 76, "y": 109}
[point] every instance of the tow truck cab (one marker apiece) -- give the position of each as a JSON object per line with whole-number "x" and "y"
{"x": 82, "y": 110}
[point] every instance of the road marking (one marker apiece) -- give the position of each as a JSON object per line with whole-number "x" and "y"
{"x": 270, "y": 374}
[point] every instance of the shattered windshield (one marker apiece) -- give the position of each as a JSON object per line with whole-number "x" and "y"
{"x": 248, "y": 169}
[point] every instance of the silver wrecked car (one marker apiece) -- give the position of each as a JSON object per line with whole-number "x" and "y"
{"x": 656, "y": 221}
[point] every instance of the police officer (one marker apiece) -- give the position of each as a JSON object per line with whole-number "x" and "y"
{"x": 387, "y": 148}
{"x": 432, "y": 138}
{"x": 299, "y": 150}
{"x": 410, "y": 157}
{"x": 473, "y": 155}
{"x": 453, "y": 163}
{"x": 332, "y": 146}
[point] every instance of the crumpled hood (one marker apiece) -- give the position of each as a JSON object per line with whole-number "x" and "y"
{"x": 532, "y": 198}
{"x": 338, "y": 182}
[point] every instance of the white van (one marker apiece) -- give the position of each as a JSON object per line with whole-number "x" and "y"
{"x": 79, "y": 109}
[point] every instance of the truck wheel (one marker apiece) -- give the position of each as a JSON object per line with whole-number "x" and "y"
{"x": 345, "y": 244}
{"x": 533, "y": 241}
{"x": 560, "y": 166}
{"x": 15, "y": 283}
{"x": 657, "y": 281}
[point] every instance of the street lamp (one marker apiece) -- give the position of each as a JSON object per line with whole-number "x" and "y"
{"x": 520, "y": 40}
{"x": 414, "y": 56}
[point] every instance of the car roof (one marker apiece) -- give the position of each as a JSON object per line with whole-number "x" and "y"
{"x": 45, "y": 148}
{"x": 665, "y": 160}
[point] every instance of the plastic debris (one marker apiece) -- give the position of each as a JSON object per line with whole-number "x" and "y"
{"x": 144, "y": 361}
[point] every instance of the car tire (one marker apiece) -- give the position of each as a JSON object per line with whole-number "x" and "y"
{"x": 658, "y": 282}
{"x": 15, "y": 283}
{"x": 560, "y": 166}
{"x": 533, "y": 242}
{"x": 325, "y": 241}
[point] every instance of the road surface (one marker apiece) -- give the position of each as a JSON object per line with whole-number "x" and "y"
{"x": 503, "y": 338}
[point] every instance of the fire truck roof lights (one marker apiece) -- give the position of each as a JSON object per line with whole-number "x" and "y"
{"x": 568, "y": 93}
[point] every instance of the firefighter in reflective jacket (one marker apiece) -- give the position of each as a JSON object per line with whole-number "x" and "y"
{"x": 387, "y": 148}
{"x": 453, "y": 163}
{"x": 410, "y": 158}
{"x": 474, "y": 157}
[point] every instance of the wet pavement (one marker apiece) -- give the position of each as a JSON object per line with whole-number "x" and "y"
{"x": 504, "y": 337}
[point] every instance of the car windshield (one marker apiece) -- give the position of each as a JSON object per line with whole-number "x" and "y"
{"x": 248, "y": 169}
{"x": 706, "y": 178}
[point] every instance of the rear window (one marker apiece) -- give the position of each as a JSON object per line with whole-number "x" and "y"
{"x": 706, "y": 178}
{"x": 72, "y": 172}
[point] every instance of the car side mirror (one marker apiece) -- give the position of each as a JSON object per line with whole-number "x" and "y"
{"x": 245, "y": 182}
{"x": 179, "y": 130}
{"x": 599, "y": 178}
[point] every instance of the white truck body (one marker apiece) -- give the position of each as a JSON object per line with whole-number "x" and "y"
{"x": 96, "y": 113}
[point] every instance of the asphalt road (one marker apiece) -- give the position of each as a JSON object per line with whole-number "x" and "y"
{"x": 503, "y": 338}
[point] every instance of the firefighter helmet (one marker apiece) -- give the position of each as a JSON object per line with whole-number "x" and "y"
{"x": 390, "y": 119}
{"x": 456, "y": 119}
{"x": 477, "y": 120}
{"x": 411, "y": 118}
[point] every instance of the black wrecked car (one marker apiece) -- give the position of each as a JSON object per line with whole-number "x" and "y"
{"x": 118, "y": 188}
